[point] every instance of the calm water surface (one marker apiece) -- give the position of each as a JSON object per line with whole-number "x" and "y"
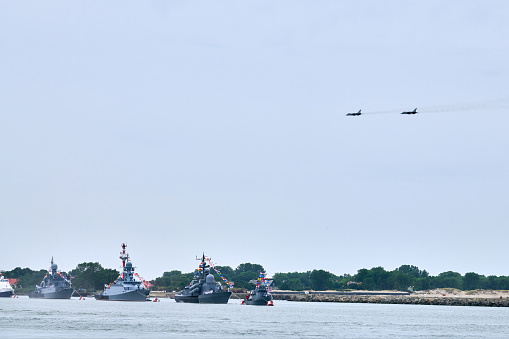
{"x": 24, "y": 317}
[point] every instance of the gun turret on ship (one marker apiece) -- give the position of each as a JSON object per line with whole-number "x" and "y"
{"x": 126, "y": 287}
{"x": 260, "y": 295}
{"x": 203, "y": 289}
{"x": 55, "y": 285}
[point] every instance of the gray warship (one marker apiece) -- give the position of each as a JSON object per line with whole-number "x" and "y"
{"x": 260, "y": 295}
{"x": 54, "y": 285}
{"x": 126, "y": 287}
{"x": 203, "y": 289}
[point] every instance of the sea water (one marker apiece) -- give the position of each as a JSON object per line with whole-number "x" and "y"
{"x": 39, "y": 318}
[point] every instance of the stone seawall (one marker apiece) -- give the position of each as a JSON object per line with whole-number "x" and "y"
{"x": 395, "y": 299}
{"x": 162, "y": 294}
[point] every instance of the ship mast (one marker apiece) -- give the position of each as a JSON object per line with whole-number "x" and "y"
{"x": 51, "y": 267}
{"x": 124, "y": 256}
{"x": 203, "y": 265}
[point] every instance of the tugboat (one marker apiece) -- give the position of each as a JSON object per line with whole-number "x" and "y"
{"x": 203, "y": 289}
{"x": 260, "y": 295}
{"x": 6, "y": 291}
{"x": 54, "y": 285}
{"x": 126, "y": 287}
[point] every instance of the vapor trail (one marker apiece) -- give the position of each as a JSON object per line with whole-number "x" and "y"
{"x": 473, "y": 106}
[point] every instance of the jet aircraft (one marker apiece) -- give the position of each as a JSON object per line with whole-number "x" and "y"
{"x": 355, "y": 114}
{"x": 411, "y": 112}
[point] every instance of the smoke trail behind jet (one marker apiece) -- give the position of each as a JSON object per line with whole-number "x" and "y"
{"x": 473, "y": 106}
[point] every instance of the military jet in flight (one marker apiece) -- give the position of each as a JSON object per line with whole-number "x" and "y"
{"x": 412, "y": 112}
{"x": 355, "y": 114}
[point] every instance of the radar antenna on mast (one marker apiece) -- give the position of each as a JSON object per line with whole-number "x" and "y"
{"x": 124, "y": 256}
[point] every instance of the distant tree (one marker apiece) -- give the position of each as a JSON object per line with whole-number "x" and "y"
{"x": 321, "y": 280}
{"x": 400, "y": 281}
{"x": 413, "y": 271}
{"x": 503, "y": 283}
{"x": 172, "y": 274}
{"x": 376, "y": 278}
{"x": 248, "y": 267}
{"x": 491, "y": 282}
{"x": 472, "y": 281}
{"x": 294, "y": 284}
{"x": 281, "y": 279}
{"x": 369, "y": 284}
{"x": 422, "y": 284}
{"x": 447, "y": 279}
{"x": 92, "y": 276}
{"x": 380, "y": 276}
{"x": 362, "y": 275}
{"x": 246, "y": 272}
{"x": 173, "y": 281}
{"x": 293, "y": 281}
{"x": 227, "y": 271}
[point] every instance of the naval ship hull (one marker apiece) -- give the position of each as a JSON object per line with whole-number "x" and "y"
{"x": 214, "y": 298}
{"x": 62, "y": 294}
{"x": 128, "y": 296}
{"x": 260, "y": 301}
{"x": 210, "y": 298}
{"x": 6, "y": 294}
{"x": 186, "y": 299}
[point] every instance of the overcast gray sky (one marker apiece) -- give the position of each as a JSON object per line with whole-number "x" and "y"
{"x": 181, "y": 127}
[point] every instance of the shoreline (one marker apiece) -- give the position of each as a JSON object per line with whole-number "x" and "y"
{"x": 444, "y": 297}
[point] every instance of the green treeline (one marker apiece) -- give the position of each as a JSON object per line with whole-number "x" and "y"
{"x": 92, "y": 276}
{"x": 377, "y": 278}
{"x": 87, "y": 275}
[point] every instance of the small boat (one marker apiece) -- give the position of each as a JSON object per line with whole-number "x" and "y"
{"x": 203, "y": 289}
{"x": 54, "y": 285}
{"x": 126, "y": 287}
{"x": 6, "y": 291}
{"x": 260, "y": 295}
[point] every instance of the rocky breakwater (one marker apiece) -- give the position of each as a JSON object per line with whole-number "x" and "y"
{"x": 162, "y": 294}
{"x": 396, "y": 299}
